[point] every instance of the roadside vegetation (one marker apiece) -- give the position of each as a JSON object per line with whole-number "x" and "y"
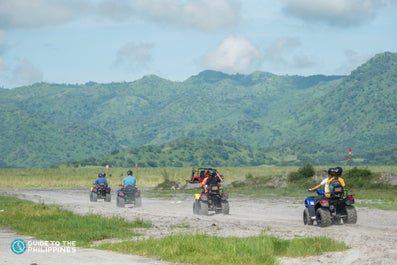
{"x": 262, "y": 249}
{"x": 49, "y": 222}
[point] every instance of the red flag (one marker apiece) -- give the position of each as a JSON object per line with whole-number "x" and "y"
{"x": 349, "y": 155}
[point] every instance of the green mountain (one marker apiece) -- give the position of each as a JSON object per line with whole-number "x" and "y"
{"x": 286, "y": 119}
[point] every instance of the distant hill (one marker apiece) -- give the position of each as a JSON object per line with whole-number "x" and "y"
{"x": 286, "y": 119}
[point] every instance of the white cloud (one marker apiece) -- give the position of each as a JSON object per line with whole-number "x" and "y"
{"x": 134, "y": 56}
{"x": 204, "y": 15}
{"x": 336, "y": 12}
{"x": 233, "y": 55}
{"x": 39, "y": 13}
{"x": 279, "y": 48}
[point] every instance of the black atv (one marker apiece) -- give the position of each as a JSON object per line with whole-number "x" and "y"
{"x": 213, "y": 200}
{"x": 129, "y": 195}
{"x": 100, "y": 191}
{"x": 326, "y": 211}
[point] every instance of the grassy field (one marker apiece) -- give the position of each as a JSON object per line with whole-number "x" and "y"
{"x": 68, "y": 177}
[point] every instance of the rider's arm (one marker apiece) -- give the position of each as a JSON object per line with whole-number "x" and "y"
{"x": 202, "y": 184}
{"x": 315, "y": 187}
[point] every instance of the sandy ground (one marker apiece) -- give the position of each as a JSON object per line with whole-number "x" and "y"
{"x": 373, "y": 239}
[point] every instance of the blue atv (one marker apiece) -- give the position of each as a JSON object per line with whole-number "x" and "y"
{"x": 327, "y": 211}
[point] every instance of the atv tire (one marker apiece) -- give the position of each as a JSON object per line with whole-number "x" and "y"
{"x": 307, "y": 220}
{"x": 138, "y": 201}
{"x": 108, "y": 197}
{"x": 196, "y": 207}
{"x": 323, "y": 217}
{"x": 203, "y": 209}
{"x": 351, "y": 215}
{"x": 94, "y": 197}
{"x": 225, "y": 207}
{"x": 120, "y": 202}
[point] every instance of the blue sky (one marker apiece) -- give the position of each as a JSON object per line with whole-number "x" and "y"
{"x": 77, "y": 41}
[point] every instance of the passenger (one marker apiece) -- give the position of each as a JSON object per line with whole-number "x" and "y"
{"x": 333, "y": 174}
{"x": 213, "y": 179}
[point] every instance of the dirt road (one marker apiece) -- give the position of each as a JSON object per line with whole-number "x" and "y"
{"x": 373, "y": 239}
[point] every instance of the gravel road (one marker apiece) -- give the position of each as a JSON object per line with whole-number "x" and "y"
{"x": 373, "y": 239}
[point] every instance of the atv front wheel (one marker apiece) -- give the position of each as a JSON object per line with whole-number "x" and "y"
{"x": 307, "y": 220}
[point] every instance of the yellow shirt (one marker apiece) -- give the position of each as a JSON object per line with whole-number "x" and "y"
{"x": 326, "y": 187}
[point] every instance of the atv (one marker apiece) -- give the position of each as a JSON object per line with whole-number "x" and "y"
{"x": 213, "y": 200}
{"x": 100, "y": 191}
{"x": 198, "y": 174}
{"x": 129, "y": 195}
{"x": 326, "y": 211}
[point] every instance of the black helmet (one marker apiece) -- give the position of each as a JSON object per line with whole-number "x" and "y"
{"x": 338, "y": 171}
{"x": 103, "y": 174}
{"x": 129, "y": 172}
{"x": 211, "y": 172}
{"x": 331, "y": 171}
{"x": 100, "y": 175}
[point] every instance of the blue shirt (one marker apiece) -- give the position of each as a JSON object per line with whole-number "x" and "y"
{"x": 129, "y": 181}
{"x": 99, "y": 180}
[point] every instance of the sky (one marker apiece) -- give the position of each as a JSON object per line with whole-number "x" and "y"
{"x": 104, "y": 41}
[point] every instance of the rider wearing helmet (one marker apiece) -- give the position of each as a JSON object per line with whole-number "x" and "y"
{"x": 213, "y": 178}
{"x": 129, "y": 180}
{"x": 101, "y": 179}
{"x": 333, "y": 173}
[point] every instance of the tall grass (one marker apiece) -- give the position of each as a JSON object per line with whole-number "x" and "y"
{"x": 68, "y": 177}
{"x": 206, "y": 249}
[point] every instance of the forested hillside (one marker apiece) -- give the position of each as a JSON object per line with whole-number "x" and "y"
{"x": 282, "y": 119}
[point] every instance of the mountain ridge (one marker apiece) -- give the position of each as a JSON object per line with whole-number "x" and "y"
{"x": 47, "y": 124}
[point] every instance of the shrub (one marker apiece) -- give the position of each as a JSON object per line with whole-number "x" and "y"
{"x": 304, "y": 172}
{"x": 360, "y": 178}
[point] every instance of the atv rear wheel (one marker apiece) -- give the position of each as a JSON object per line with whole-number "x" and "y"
{"x": 120, "y": 202}
{"x": 225, "y": 207}
{"x": 94, "y": 197}
{"x": 203, "y": 209}
{"x": 323, "y": 217}
{"x": 351, "y": 215}
{"x": 108, "y": 197}
{"x": 307, "y": 220}
{"x": 196, "y": 207}
{"x": 138, "y": 201}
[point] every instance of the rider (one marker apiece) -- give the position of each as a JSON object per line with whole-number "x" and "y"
{"x": 213, "y": 178}
{"x": 333, "y": 173}
{"x": 101, "y": 179}
{"x": 129, "y": 180}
